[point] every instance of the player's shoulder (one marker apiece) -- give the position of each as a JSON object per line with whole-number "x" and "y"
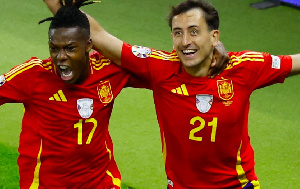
{"x": 99, "y": 62}
{"x": 147, "y": 52}
{"x": 31, "y": 66}
{"x": 166, "y": 56}
{"x": 238, "y": 58}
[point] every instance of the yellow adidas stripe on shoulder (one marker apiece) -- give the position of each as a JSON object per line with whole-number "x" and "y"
{"x": 99, "y": 64}
{"x": 164, "y": 56}
{"x": 48, "y": 66}
{"x": 22, "y": 67}
{"x": 248, "y": 56}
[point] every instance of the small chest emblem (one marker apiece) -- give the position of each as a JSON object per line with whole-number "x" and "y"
{"x": 85, "y": 107}
{"x": 105, "y": 92}
{"x": 225, "y": 89}
{"x": 204, "y": 102}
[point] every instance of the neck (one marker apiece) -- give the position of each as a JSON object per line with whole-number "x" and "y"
{"x": 200, "y": 70}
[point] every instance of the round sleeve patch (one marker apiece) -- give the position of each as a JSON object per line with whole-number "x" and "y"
{"x": 2, "y": 80}
{"x": 141, "y": 52}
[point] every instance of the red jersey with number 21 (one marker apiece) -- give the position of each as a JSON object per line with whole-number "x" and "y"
{"x": 204, "y": 122}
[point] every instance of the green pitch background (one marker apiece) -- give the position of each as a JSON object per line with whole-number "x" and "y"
{"x": 274, "y": 115}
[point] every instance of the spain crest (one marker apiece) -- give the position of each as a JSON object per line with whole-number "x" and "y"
{"x": 85, "y": 107}
{"x": 105, "y": 92}
{"x": 225, "y": 89}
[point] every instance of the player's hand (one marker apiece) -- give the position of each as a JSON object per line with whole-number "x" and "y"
{"x": 220, "y": 60}
{"x": 53, "y": 5}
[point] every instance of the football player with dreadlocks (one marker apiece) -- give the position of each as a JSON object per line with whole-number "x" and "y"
{"x": 203, "y": 122}
{"x": 68, "y": 100}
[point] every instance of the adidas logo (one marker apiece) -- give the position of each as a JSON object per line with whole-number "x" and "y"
{"x": 181, "y": 90}
{"x": 59, "y": 96}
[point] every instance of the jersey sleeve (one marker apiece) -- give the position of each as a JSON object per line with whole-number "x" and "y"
{"x": 266, "y": 69}
{"x": 16, "y": 86}
{"x": 150, "y": 65}
{"x": 136, "y": 60}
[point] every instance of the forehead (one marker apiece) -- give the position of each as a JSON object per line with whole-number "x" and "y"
{"x": 193, "y": 17}
{"x": 66, "y": 34}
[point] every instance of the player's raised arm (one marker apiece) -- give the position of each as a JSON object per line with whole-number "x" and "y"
{"x": 296, "y": 64}
{"x": 105, "y": 43}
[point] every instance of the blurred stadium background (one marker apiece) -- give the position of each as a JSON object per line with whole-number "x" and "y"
{"x": 274, "y": 114}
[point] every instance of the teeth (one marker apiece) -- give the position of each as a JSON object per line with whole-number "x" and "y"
{"x": 188, "y": 51}
{"x": 63, "y": 67}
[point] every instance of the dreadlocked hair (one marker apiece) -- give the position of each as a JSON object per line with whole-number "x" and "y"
{"x": 69, "y": 15}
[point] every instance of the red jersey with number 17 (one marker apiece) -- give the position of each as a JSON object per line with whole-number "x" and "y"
{"x": 65, "y": 141}
{"x": 204, "y": 122}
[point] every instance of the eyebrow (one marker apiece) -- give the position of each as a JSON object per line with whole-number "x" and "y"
{"x": 192, "y": 26}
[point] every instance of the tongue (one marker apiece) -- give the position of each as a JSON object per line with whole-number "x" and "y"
{"x": 66, "y": 74}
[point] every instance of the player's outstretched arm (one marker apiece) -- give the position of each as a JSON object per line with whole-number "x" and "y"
{"x": 105, "y": 43}
{"x": 296, "y": 65}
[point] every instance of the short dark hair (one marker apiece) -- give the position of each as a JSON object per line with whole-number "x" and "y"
{"x": 210, "y": 13}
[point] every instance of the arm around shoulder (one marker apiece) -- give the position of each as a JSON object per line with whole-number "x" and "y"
{"x": 295, "y": 65}
{"x": 105, "y": 43}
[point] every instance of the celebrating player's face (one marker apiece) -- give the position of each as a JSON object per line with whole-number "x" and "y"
{"x": 192, "y": 39}
{"x": 69, "y": 52}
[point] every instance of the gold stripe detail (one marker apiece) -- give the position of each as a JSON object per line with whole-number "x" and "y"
{"x": 248, "y": 56}
{"x": 181, "y": 90}
{"x": 108, "y": 150}
{"x": 62, "y": 96}
{"x": 35, "y": 183}
{"x": 164, "y": 56}
{"x": 164, "y": 149}
{"x": 184, "y": 90}
{"x": 99, "y": 64}
{"x": 59, "y": 96}
{"x": 239, "y": 169}
{"x": 115, "y": 181}
{"x": 56, "y": 97}
{"x": 21, "y": 68}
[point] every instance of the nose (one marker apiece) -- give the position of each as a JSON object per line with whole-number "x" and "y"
{"x": 186, "y": 40}
{"x": 62, "y": 55}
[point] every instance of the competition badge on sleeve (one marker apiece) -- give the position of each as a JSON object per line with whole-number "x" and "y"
{"x": 141, "y": 52}
{"x": 225, "y": 89}
{"x": 276, "y": 62}
{"x": 105, "y": 92}
{"x": 204, "y": 102}
{"x": 2, "y": 80}
{"x": 85, "y": 107}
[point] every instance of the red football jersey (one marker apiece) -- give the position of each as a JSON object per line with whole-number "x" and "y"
{"x": 65, "y": 141}
{"x": 204, "y": 122}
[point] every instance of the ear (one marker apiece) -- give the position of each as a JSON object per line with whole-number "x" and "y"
{"x": 89, "y": 45}
{"x": 215, "y": 37}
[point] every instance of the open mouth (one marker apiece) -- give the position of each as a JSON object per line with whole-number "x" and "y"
{"x": 66, "y": 72}
{"x": 188, "y": 52}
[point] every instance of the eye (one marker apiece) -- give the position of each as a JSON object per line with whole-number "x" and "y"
{"x": 177, "y": 33}
{"x": 194, "y": 32}
{"x": 53, "y": 49}
{"x": 70, "y": 48}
